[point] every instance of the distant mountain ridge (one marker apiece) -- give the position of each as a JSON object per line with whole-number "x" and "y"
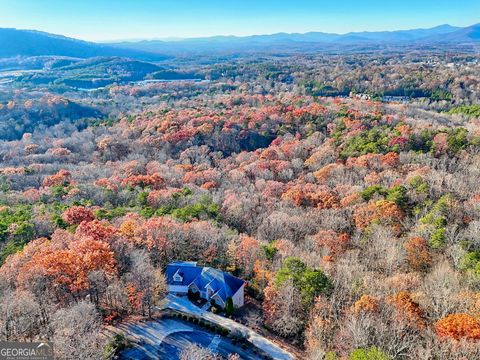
{"x": 397, "y": 35}
{"x": 468, "y": 34}
{"x": 315, "y": 40}
{"x": 15, "y": 42}
{"x": 28, "y": 43}
{"x": 406, "y": 35}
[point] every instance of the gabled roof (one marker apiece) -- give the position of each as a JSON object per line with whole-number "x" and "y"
{"x": 223, "y": 284}
{"x": 188, "y": 271}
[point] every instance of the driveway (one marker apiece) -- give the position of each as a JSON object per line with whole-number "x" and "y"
{"x": 184, "y": 305}
{"x": 166, "y": 338}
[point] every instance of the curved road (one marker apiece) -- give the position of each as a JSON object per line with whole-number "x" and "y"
{"x": 166, "y": 338}
{"x": 185, "y": 306}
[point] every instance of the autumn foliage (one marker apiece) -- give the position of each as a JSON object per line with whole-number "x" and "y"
{"x": 99, "y": 230}
{"x": 63, "y": 177}
{"x": 336, "y": 243}
{"x": 458, "y": 326}
{"x": 66, "y": 264}
{"x": 382, "y": 211}
{"x": 408, "y": 310}
{"x": 366, "y": 303}
{"x": 418, "y": 253}
{"x": 354, "y": 218}
{"x": 77, "y": 214}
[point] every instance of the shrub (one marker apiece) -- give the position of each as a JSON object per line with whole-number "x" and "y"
{"x": 418, "y": 184}
{"x": 437, "y": 239}
{"x": 469, "y": 110}
{"x": 371, "y": 353}
{"x": 310, "y": 282}
{"x": 471, "y": 264}
{"x": 331, "y": 356}
{"x": 457, "y": 140}
{"x": 117, "y": 344}
{"x": 374, "y": 141}
{"x": 103, "y": 214}
{"x": 398, "y": 195}
{"x": 229, "y": 309}
{"x": 205, "y": 209}
{"x": 270, "y": 250}
{"x": 436, "y": 220}
{"x": 193, "y": 296}
{"x": 370, "y": 191}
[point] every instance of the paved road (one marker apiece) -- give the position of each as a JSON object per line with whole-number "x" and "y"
{"x": 182, "y": 304}
{"x": 214, "y": 344}
{"x": 166, "y": 338}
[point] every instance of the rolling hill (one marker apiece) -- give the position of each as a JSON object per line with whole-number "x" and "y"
{"x": 35, "y": 43}
{"x": 90, "y": 73}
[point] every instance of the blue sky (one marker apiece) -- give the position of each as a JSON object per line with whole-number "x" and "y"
{"x": 99, "y": 20}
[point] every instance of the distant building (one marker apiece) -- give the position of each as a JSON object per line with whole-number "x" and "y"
{"x": 402, "y": 99}
{"x": 211, "y": 284}
{"x": 360, "y": 96}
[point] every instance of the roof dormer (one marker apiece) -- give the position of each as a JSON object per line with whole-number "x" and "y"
{"x": 177, "y": 277}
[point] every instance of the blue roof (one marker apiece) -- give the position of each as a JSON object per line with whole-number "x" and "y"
{"x": 223, "y": 284}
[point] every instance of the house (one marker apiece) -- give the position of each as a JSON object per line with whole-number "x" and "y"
{"x": 211, "y": 284}
{"x": 360, "y": 96}
{"x": 402, "y": 99}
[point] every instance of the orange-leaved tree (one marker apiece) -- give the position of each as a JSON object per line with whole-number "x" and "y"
{"x": 458, "y": 326}
{"x": 76, "y": 214}
{"x": 418, "y": 253}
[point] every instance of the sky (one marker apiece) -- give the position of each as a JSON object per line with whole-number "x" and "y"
{"x": 106, "y": 20}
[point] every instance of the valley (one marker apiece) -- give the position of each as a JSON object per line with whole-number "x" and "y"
{"x": 277, "y": 196}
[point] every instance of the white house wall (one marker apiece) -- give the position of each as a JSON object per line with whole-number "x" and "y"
{"x": 238, "y": 298}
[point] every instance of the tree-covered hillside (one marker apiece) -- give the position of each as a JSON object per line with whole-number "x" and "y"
{"x": 354, "y": 218}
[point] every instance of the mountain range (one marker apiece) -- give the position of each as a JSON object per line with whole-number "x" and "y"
{"x": 436, "y": 36}
{"x": 35, "y": 43}
{"x": 15, "y": 42}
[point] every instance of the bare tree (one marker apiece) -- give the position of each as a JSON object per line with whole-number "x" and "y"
{"x": 76, "y": 332}
{"x": 147, "y": 279}
{"x": 20, "y": 318}
{"x": 196, "y": 352}
{"x": 443, "y": 291}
